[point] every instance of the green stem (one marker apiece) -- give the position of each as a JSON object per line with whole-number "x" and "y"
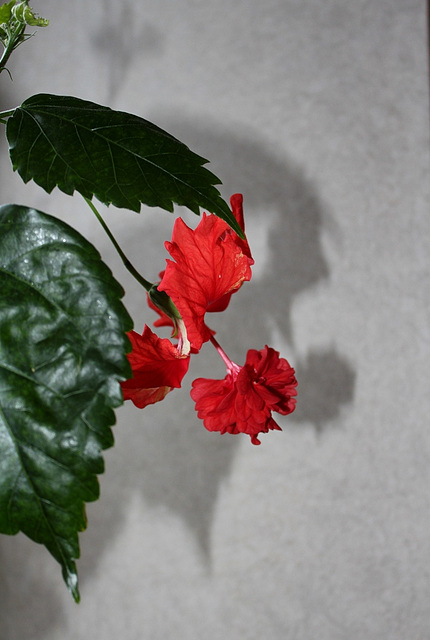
{"x": 126, "y": 262}
{"x": 4, "y": 115}
{"x": 13, "y": 41}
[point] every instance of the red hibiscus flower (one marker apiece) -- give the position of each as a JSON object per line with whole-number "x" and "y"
{"x": 243, "y": 402}
{"x": 158, "y": 367}
{"x": 210, "y": 263}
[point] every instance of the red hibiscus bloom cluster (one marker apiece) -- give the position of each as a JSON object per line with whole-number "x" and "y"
{"x": 208, "y": 265}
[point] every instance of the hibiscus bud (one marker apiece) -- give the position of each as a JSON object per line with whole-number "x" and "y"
{"x": 163, "y": 302}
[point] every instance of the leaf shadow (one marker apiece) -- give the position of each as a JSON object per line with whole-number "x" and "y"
{"x": 119, "y": 46}
{"x": 30, "y": 601}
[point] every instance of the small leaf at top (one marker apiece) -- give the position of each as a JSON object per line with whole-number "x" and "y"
{"x": 62, "y": 354}
{"x": 118, "y": 157}
{"x": 6, "y": 11}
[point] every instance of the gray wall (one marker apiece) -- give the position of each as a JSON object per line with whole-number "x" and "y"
{"x": 318, "y": 113}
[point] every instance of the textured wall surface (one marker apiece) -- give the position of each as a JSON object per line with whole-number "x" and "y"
{"x": 318, "y": 113}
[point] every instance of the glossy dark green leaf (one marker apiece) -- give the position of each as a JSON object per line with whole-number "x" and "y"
{"x": 62, "y": 345}
{"x": 118, "y": 157}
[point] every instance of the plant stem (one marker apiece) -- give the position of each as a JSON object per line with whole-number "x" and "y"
{"x": 13, "y": 41}
{"x": 232, "y": 367}
{"x": 4, "y": 115}
{"x": 126, "y": 262}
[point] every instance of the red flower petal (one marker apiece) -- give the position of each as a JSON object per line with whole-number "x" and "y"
{"x": 210, "y": 263}
{"x": 157, "y": 368}
{"x": 243, "y": 402}
{"x": 236, "y": 202}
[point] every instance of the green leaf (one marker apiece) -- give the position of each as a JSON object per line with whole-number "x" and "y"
{"x": 6, "y": 11}
{"x": 118, "y": 157}
{"x": 62, "y": 354}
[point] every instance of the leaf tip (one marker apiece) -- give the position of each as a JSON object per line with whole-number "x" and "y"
{"x": 71, "y": 579}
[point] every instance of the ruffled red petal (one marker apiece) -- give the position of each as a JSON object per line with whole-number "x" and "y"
{"x": 243, "y": 402}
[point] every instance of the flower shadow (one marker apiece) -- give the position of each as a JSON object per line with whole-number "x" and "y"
{"x": 282, "y": 212}
{"x": 180, "y": 467}
{"x": 327, "y": 383}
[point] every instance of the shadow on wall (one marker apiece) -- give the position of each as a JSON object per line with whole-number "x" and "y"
{"x": 327, "y": 383}
{"x": 279, "y": 198}
{"x": 29, "y": 599}
{"x": 164, "y": 452}
{"x": 119, "y": 45}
